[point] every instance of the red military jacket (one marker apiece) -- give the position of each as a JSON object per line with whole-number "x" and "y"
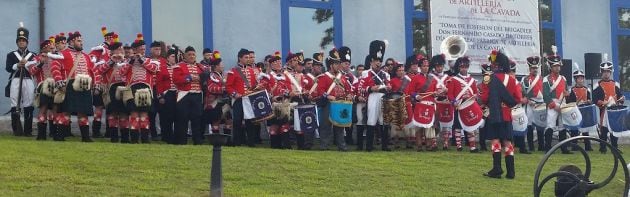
{"x": 44, "y": 72}
{"x": 110, "y": 74}
{"x": 456, "y": 86}
{"x": 235, "y": 85}
{"x": 70, "y": 59}
{"x": 164, "y": 79}
{"x": 424, "y": 86}
{"x": 533, "y": 89}
{"x": 326, "y": 80}
{"x": 139, "y": 73}
{"x": 186, "y": 77}
{"x": 441, "y": 80}
{"x": 512, "y": 88}
{"x": 370, "y": 78}
{"x": 278, "y": 84}
{"x": 214, "y": 90}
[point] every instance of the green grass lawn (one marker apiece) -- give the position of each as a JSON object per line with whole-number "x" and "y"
{"x": 34, "y": 168}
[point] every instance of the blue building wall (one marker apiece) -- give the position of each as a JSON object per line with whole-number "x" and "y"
{"x": 256, "y": 25}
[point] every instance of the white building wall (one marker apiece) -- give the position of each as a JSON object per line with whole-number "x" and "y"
{"x": 250, "y": 24}
{"x": 585, "y": 29}
{"x": 178, "y": 22}
{"x": 367, "y": 20}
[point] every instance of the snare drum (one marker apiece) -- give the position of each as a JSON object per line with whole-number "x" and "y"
{"x": 571, "y": 116}
{"x": 340, "y": 113}
{"x": 616, "y": 119}
{"x": 470, "y": 115}
{"x": 257, "y": 106}
{"x": 519, "y": 120}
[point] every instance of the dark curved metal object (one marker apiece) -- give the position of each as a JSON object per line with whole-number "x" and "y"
{"x": 582, "y": 185}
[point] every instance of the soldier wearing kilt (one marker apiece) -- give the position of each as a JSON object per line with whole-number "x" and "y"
{"x": 100, "y": 55}
{"x": 500, "y": 99}
{"x": 139, "y": 78}
{"x": 114, "y": 83}
{"x": 45, "y": 86}
{"x": 300, "y": 84}
{"x": 74, "y": 76}
{"x": 217, "y": 101}
{"x": 167, "y": 95}
{"x": 280, "y": 89}
{"x": 189, "y": 107}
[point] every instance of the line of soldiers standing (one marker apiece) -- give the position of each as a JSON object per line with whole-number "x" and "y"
{"x": 131, "y": 88}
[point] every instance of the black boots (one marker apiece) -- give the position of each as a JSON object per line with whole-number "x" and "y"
{"x": 52, "y": 128}
{"x": 135, "y": 136}
{"x": 28, "y": 121}
{"x": 59, "y": 133}
{"x": 16, "y": 124}
{"x": 509, "y": 165}
{"x": 369, "y": 138}
{"x": 299, "y": 138}
{"x": 275, "y": 141}
{"x": 96, "y": 129}
{"x": 562, "y": 135}
{"x": 541, "y": 140}
{"x": 41, "y": 131}
{"x": 144, "y": 136}
{"x": 496, "y": 170}
{"x": 385, "y": 139}
{"x": 85, "y": 133}
{"x": 113, "y": 134}
{"x": 124, "y": 136}
{"x": 548, "y": 139}
{"x": 530, "y": 138}
{"x": 360, "y": 130}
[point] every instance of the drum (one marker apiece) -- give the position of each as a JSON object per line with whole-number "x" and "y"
{"x": 305, "y": 118}
{"x": 470, "y": 115}
{"x": 395, "y": 110}
{"x": 616, "y": 118}
{"x": 340, "y": 113}
{"x": 445, "y": 113}
{"x": 571, "y": 116}
{"x": 424, "y": 114}
{"x": 589, "y": 115}
{"x": 519, "y": 120}
{"x": 539, "y": 115}
{"x": 257, "y": 106}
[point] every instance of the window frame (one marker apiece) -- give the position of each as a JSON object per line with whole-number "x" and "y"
{"x": 616, "y": 31}
{"x": 334, "y": 5}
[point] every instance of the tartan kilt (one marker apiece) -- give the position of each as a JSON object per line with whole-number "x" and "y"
{"x": 97, "y": 100}
{"x": 77, "y": 102}
{"x": 115, "y": 106}
{"x": 44, "y": 100}
{"x": 131, "y": 104}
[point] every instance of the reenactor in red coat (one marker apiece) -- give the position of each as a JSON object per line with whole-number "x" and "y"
{"x": 75, "y": 77}
{"x": 189, "y": 108}
{"x": 241, "y": 81}
{"x": 500, "y": 99}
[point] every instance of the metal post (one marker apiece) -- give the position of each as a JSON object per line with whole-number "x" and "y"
{"x": 216, "y": 176}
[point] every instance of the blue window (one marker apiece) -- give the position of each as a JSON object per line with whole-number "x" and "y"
{"x": 417, "y": 26}
{"x": 207, "y": 23}
{"x": 620, "y": 29}
{"x": 310, "y": 25}
{"x": 551, "y": 23}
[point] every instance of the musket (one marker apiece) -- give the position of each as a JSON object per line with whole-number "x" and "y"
{"x": 18, "y": 108}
